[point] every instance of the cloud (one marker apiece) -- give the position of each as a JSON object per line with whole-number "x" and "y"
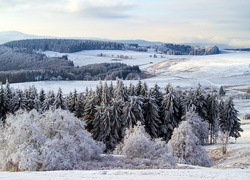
{"x": 83, "y": 8}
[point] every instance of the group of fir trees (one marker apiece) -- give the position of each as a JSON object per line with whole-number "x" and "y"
{"x": 13, "y": 100}
{"x": 111, "y": 109}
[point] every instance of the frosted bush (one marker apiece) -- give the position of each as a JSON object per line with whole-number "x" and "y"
{"x": 138, "y": 145}
{"x": 51, "y": 141}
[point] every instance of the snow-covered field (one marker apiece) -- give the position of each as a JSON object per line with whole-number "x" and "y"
{"x": 230, "y": 69}
{"x": 227, "y": 69}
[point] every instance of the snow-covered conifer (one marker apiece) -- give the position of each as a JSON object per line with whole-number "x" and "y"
{"x": 229, "y": 122}
{"x": 132, "y": 112}
{"x": 79, "y": 106}
{"x": 60, "y": 101}
{"x": 120, "y": 91}
{"x": 171, "y": 113}
{"x": 19, "y": 101}
{"x": 212, "y": 116}
{"x": 151, "y": 117}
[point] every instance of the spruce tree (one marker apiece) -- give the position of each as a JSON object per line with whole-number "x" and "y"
{"x": 120, "y": 91}
{"x": 151, "y": 117}
{"x": 171, "y": 113}
{"x": 229, "y": 122}
{"x": 213, "y": 116}
{"x": 19, "y": 101}
{"x": 60, "y": 102}
{"x": 132, "y": 112}
{"x": 79, "y": 106}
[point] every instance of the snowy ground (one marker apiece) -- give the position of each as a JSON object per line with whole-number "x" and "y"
{"x": 159, "y": 174}
{"x": 230, "y": 69}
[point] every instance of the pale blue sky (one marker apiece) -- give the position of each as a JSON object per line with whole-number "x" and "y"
{"x": 176, "y": 21}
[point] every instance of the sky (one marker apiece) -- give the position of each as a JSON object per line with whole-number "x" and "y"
{"x": 173, "y": 21}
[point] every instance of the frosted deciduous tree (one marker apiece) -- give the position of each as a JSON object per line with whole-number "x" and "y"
{"x": 186, "y": 146}
{"x": 55, "y": 140}
{"x": 200, "y": 128}
{"x": 137, "y": 144}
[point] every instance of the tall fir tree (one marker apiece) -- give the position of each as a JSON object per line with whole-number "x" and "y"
{"x": 60, "y": 102}
{"x": 229, "y": 122}
{"x": 171, "y": 113}
{"x": 213, "y": 116}
{"x": 151, "y": 117}
{"x": 132, "y": 112}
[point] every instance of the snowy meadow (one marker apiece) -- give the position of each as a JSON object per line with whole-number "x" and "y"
{"x": 177, "y": 77}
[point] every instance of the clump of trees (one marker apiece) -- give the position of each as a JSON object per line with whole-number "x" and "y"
{"x": 21, "y": 66}
{"x": 177, "y": 49}
{"x": 186, "y": 119}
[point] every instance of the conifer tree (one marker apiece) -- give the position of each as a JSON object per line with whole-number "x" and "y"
{"x": 60, "y": 102}
{"x": 3, "y": 104}
{"x": 89, "y": 111}
{"x": 132, "y": 112}
{"x": 156, "y": 94}
{"x": 151, "y": 117}
{"x": 120, "y": 91}
{"x": 229, "y": 122}
{"x": 8, "y": 95}
{"x": 19, "y": 101}
{"x": 131, "y": 90}
{"x": 79, "y": 107}
{"x": 171, "y": 113}
{"x": 213, "y": 116}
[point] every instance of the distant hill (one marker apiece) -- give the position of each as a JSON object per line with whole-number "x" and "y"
{"x": 6, "y": 36}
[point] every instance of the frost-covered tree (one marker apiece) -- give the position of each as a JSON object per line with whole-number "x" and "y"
{"x": 156, "y": 94}
{"x": 8, "y": 95}
{"x": 171, "y": 113}
{"x": 89, "y": 111}
{"x": 197, "y": 98}
{"x": 213, "y": 116}
{"x": 55, "y": 140}
{"x": 71, "y": 101}
{"x": 49, "y": 101}
{"x": 120, "y": 91}
{"x": 151, "y": 117}
{"x": 131, "y": 90}
{"x": 60, "y": 101}
{"x": 31, "y": 96}
{"x": 186, "y": 146}
{"x": 3, "y": 104}
{"x": 105, "y": 94}
{"x": 200, "y": 128}
{"x": 132, "y": 112}
{"x": 222, "y": 92}
{"x": 229, "y": 122}
{"x": 19, "y": 101}
{"x": 79, "y": 106}
{"x": 138, "y": 144}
